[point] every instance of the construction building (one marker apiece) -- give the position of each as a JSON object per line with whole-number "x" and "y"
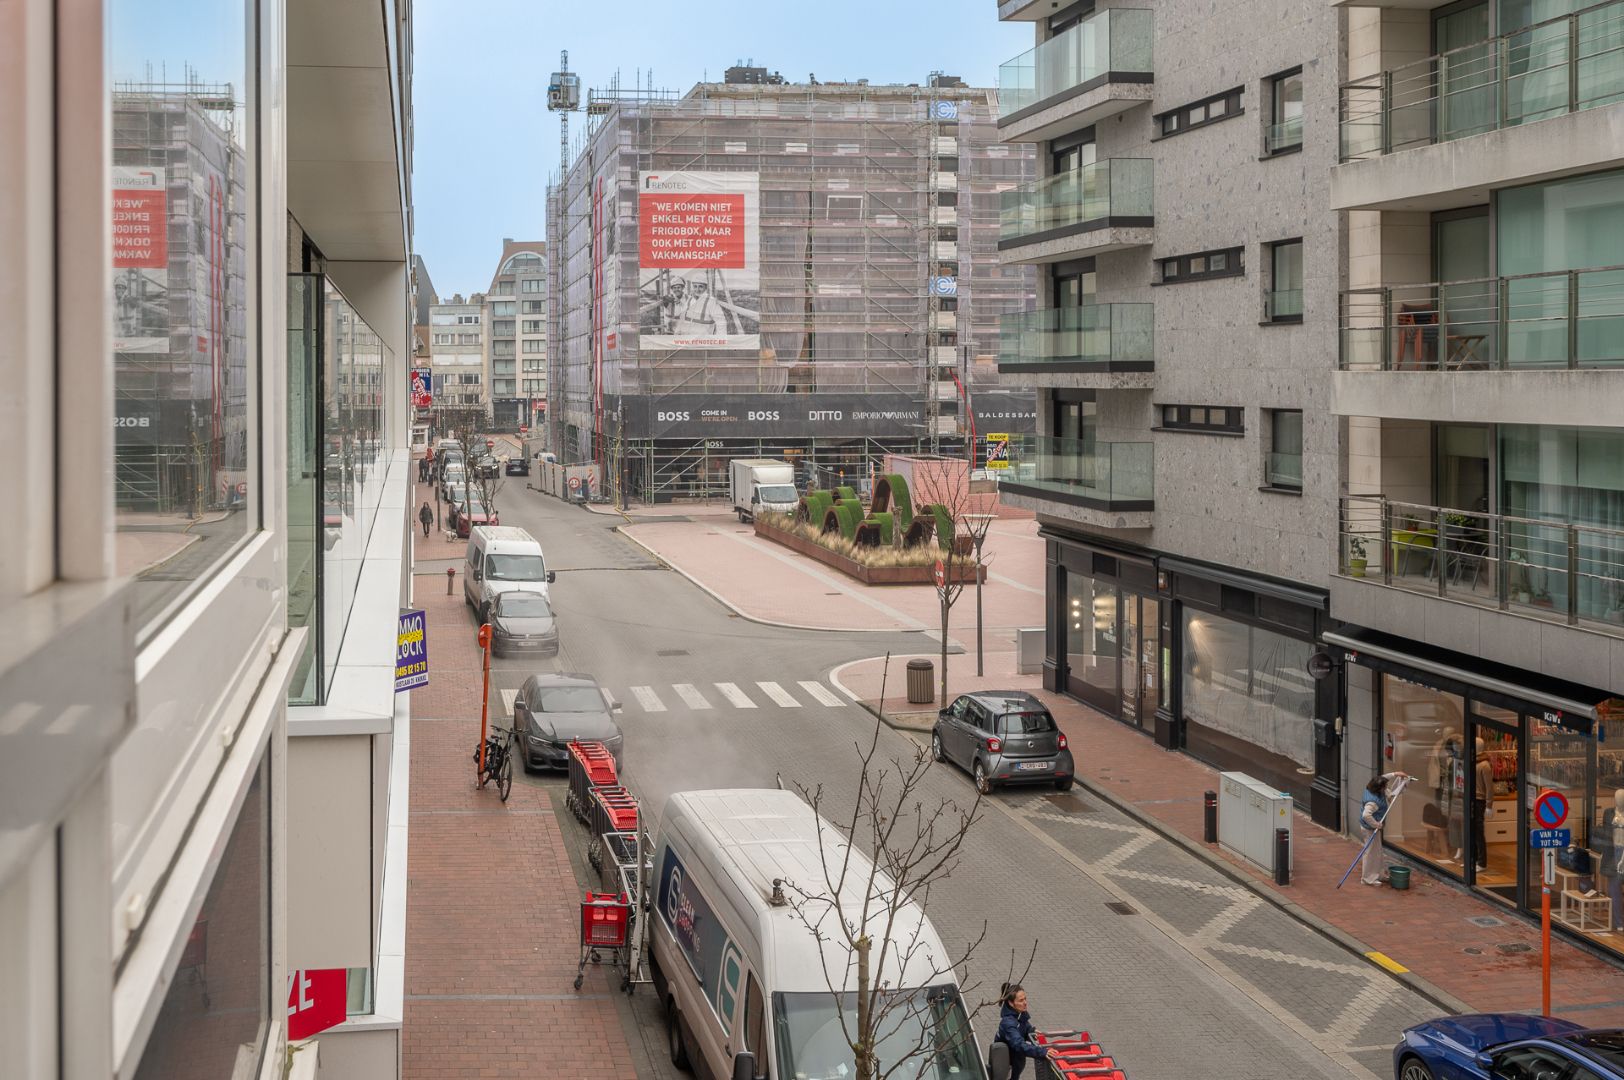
{"x": 758, "y": 268}
{"x": 516, "y": 338}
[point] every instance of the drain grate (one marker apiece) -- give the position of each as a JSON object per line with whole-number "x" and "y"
{"x": 1485, "y": 920}
{"x": 1469, "y": 951}
{"x": 672, "y": 652}
{"x": 1120, "y": 908}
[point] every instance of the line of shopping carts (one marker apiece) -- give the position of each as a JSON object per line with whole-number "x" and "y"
{"x": 620, "y": 850}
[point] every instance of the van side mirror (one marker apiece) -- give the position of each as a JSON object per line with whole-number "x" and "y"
{"x": 998, "y": 1061}
{"x": 744, "y": 1066}
{"x": 552, "y": 576}
{"x": 479, "y": 575}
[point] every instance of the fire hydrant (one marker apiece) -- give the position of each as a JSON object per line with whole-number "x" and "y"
{"x": 450, "y": 576}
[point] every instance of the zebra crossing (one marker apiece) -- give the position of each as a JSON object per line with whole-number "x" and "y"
{"x": 690, "y": 697}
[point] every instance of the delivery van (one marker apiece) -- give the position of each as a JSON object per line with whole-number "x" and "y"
{"x": 500, "y": 558}
{"x": 741, "y": 975}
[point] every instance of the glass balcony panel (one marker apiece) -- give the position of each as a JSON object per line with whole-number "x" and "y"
{"x": 1102, "y": 334}
{"x": 1114, "y": 41}
{"x": 1102, "y": 472}
{"x": 1116, "y": 188}
{"x": 1285, "y": 304}
{"x": 1284, "y": 135}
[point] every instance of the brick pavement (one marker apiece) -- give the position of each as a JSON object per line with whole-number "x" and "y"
{"x": 492, "y": 901}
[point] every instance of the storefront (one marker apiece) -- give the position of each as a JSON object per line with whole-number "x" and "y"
{"x": 1207, "y": 660}
{"x": 1481, "y": 742}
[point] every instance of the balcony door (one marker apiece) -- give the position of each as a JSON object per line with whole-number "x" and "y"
{"x": 1468, "y": 83}
{"x": 1469, "y": 303}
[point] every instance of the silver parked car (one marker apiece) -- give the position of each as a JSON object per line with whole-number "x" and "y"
{"x": 1003, "y": 737}
{"x": 551, "y": 710}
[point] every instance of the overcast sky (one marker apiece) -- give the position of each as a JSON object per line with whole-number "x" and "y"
{"x": 486, "y": 143}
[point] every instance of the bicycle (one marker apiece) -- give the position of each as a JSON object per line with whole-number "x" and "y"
{"x": 498, "y": 764}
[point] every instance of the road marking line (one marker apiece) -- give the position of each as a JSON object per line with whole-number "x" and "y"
{"x": 822, "y": 694}
{"x": 690, "y": 695}
{"x": 780, "y": 696}
{"x": 509, "y": 699}
{"x": 648, "y": 699}
{"x": 1383, "y": 960}
{"x": 736, "y": 697}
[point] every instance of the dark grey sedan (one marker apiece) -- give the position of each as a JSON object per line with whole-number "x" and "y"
{"x": 523, "y": 622}
{"x": 1003, "y": 737}
{"x": 551, "y": 710}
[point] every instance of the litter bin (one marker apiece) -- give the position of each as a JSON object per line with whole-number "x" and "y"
{"x": 1398, "y": 877}
{"x": 921, "y": 682}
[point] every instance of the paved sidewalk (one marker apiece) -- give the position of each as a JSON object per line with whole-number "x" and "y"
{"x": 492, "y": 902}
{"x": 1426, "y": 930}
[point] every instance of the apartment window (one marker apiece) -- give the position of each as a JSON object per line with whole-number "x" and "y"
{"x": 1285, "y": 131}
{"x": 533, "y": 307}
{"x": 468, "y": 320}
{"x": 443, "y": 339}
{"x": 533, "y": 285}
{"x": 533, "y": 345}
{"x": 1230, "y": 419}
{"x": 1283, "y": 455}
{"x": 1285, "y": 295}
{"x": 502, "y": 348}
{"x": 468, "y": 339}
{"x": 1224, "y": 262}
{"x": 502, "y": 307}
{"x": 1200, "y": 113}
{"x": 502, "y": 328}
{"x": 531, "y": 326}
{"x": 504, "y": 288}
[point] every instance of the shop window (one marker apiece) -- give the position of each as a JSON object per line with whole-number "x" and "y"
{"x": 1424, "y": 734}
{"x": 1091, "y": 635}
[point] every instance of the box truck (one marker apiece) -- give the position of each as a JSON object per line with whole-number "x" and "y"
{"x": 744, "y": 979}
{"x": 761, "y": 484}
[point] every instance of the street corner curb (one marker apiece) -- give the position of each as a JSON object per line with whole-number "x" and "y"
{"x": 745, "y": 615}
{"x": 1426, "y": 989}
{"x": 888, "y": 720}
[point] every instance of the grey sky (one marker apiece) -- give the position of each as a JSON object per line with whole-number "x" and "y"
{"x": 486, "y": 144}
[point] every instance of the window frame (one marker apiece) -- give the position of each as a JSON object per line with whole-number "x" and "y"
{"x": 1235, "y": 266}
{"x": 1235, "y": 105}
{"x": 1233, "y": 423}
{"x": 1273, "y": 248}
{"x": 1270, "y": 417}
{"x": 1271, "y": 117}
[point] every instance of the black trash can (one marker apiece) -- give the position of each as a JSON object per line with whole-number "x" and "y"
{"x": 921, "y": 682}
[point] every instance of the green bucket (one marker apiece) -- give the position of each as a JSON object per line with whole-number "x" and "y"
{"x": 1399, "y": 877}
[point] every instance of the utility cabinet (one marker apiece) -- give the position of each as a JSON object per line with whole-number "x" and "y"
{"x": 1249, "y": 811}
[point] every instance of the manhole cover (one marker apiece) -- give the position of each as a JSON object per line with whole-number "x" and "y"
{"x": 1120, "y": 908}
{"x": 1469, "y": 951}
{"x": 1514, "y": 947}
{"x": 672, "y": 652}
{"x": 1485, "y": 920}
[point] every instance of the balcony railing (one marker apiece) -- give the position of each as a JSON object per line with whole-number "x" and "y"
{"x": 1530, "y": 566}
{"x": 1285, "y": 135}
{"x": 1562, "y": 319}
{"x": 1103, "y": 337}
{"x": 1284, "y": 305}
{"x": 1113, "y": 475}
{"x": 1555, "y": 67}
{"x": 1087, "y": 197}
{"x": 1114, "y": 42}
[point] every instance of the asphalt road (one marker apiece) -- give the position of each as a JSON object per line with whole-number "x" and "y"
{"x": 1174, "y": 969}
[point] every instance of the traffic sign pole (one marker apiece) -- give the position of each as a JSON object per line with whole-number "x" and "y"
{"x": 1550, "y": 811}
{"x": 1545, "y": 931}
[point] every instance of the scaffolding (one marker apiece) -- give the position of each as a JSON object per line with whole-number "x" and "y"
{"x": 878, "y": 268}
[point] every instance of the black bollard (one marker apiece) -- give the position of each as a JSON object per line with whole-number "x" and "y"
{"x": 1282, "y": 857}
{"x": 1210, "y": 807}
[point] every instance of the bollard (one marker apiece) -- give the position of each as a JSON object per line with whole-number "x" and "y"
{"x": 1210, "y": 807}
{"x": 1282, "y": 857}
{"x": 450, "y": 576}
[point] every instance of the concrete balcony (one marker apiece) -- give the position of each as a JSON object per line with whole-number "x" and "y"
{"x": 1106, "y": 206}
{"x": 1517, "y": 591}
{"x": 1024, "y": 10}
{"x": 1096, "y": 346}
{"x": 1443, "y": 132}
{"x": 1096, "y": 69}
{"x": 1100, "y": 485}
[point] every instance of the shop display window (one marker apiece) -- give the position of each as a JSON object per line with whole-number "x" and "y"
{"x": 1423, "y": 734}
{"x": 1092, "y": 644}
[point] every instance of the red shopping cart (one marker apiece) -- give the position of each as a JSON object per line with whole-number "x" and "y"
{"x": 591, "y": 766}
{"x": 605, "y": 927}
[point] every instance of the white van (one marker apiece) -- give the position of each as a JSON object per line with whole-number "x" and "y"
{"x": 727, "y": 949}
{"x": 502, "y": 558}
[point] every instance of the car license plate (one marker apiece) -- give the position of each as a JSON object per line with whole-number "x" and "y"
{"x": 1032, "y": 766}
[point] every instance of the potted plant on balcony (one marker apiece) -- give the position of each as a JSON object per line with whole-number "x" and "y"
{"x": 1356, "y": 556}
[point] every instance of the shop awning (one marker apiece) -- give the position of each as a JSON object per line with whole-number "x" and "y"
{"x": 1516, "y": 688}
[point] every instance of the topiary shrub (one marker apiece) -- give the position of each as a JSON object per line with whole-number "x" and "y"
{"x": 919, "y": 531}
{"x": 891, "y": 494}
{"x": 868, "y": 534}
{"x": 843, "y": 519}
{"x": 944, "y": 525}
{"x": 845, "y": 491}
{"x": 885, "y": 522}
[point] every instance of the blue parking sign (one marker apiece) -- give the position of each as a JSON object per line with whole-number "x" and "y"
{"x": 1540, "y": 839}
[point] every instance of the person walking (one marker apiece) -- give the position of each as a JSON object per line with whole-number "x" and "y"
{"x": 1015, "y": 1031}
{"x": 423, "y": 470}
{"x": 1378, "y": 797}
{"x": 426, "y": 516}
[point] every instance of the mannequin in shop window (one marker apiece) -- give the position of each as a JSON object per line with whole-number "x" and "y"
{"x": 1442, "y": 816}
{"x": 1610, "y": 846}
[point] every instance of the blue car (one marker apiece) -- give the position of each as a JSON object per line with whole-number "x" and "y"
{"x": 1508, "y": 1046}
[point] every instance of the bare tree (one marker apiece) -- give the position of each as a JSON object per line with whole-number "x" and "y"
{"x": 879, "y": 864}
{"x": 948, "y": 498}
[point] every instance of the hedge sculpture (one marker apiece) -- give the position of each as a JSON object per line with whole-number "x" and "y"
{"x": 892, "y": 488}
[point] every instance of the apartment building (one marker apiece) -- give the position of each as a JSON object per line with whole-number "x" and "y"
{"x": 1185, "y": 468}
{"x": 201, "y": 751}
{"x": 457, "y": 334}
{"x": 1480, "y": 563}
{"x": 763, "y": 268}
{"x": 516, "y": 320}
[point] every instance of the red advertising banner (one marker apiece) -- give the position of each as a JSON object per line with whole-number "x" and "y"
{"x": 140, "y": 219}
{"x": 691, "y": 230}
{"x": 317, "y": 1000}
{"x": 422, "y": 389}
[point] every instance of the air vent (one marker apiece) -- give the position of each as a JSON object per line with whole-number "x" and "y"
{"x": 672, "y": 652}
{"x": 1120, "y": 908}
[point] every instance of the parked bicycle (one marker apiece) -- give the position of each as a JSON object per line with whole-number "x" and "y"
{"x": 498, "y": 763}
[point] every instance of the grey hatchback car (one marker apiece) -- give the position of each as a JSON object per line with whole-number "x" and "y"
{"x": 1003, "y": 737}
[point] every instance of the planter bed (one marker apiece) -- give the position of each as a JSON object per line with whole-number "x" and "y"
{"x": 965, "y": 573}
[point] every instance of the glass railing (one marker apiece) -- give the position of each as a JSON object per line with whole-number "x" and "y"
{"x": 1559, "y": 66}
{"x": 1099, "y": 334}
{"x": 1284, "y": 470}
{"x": 1541, "y": 567}
{"x": 1283, "y": 304}
{"x": 1106, "y": 473}
{"x": 1117, "y": 41}
{"x": 1093, "y": 194}
{"x": 1563, "y": 319}
{"x": 1284, "y": 135}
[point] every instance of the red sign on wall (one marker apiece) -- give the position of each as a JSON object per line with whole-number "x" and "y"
{"x": 317, "y": 1000}
{"x": 140, "y": 219}
{"x": 422, "y": 389}
{"x": 690, "y": 230}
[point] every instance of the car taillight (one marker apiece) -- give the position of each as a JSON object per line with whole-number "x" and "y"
{"x": 1062, "y": 742}
{"x": 994, "y": 744}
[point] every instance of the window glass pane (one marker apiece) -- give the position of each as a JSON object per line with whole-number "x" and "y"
{"x": 1288, "y": 266}
{"x": 1288, "y": 432}
{"x": 1423, "y": 731}
{"x": 1198, "y": 264}
{"x": 216, "y": 1012}
{"x": 1170, "y": 414}
{"x": 1091, "y": 632}
{"x": 182, "y": 258}
{"x": 305, "y": 529}
{"x": 1217, "y": 262}
{"x": 1170, "y": 268}
{"x": 1288, "y": 98}
{"x": 1218, "y": 108}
